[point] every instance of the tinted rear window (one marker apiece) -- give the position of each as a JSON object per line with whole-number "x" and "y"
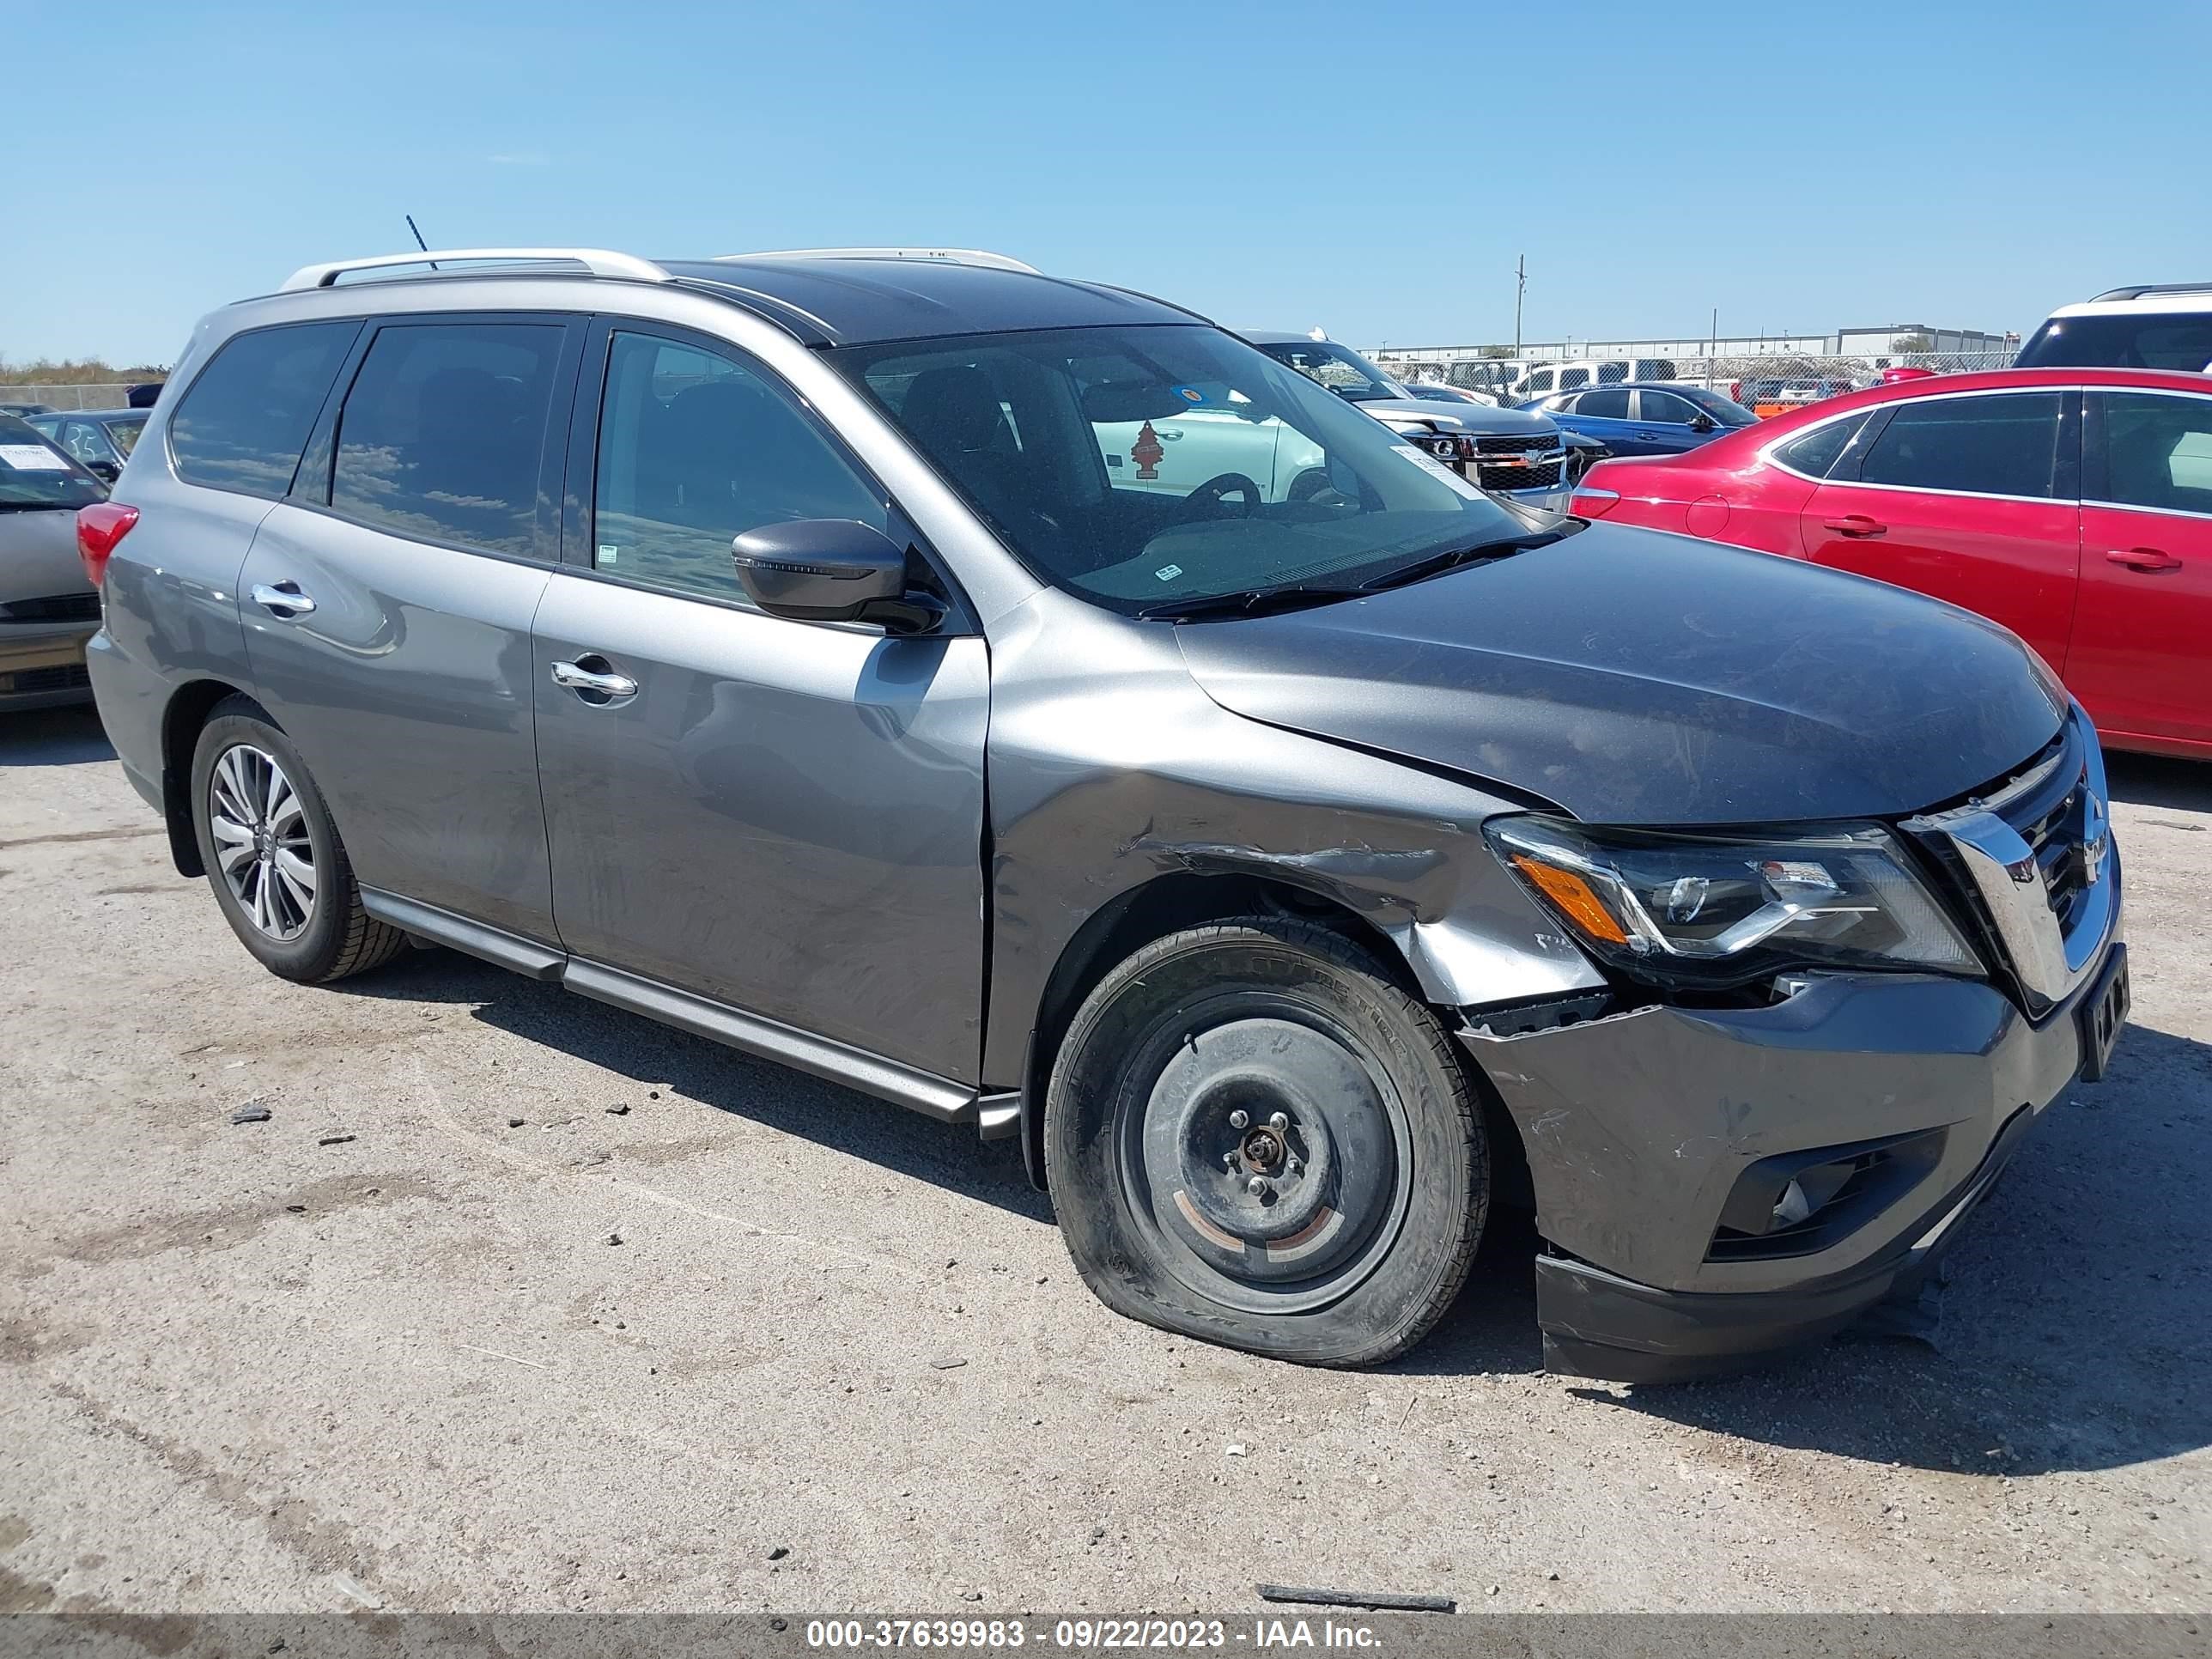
{"x": 2122, "y": 340}
{"x": 245, "y": 419}
{"x": 444, "y": 430}
{"x": 2002, "y": 446}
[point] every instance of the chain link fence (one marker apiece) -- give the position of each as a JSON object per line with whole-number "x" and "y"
{"x": 1766, "y": 382}
{"x": 102, "y": 394}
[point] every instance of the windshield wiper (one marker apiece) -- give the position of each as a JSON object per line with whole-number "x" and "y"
{"x": 1435, "y": 564}
{"x": 1250, "y": 602}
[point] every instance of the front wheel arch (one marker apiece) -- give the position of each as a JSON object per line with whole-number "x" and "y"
{"x": 1152, "y": 910}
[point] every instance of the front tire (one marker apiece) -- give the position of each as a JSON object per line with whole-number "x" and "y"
{"x": 273, "y": 857}
{"x": 1255, "y": 1137}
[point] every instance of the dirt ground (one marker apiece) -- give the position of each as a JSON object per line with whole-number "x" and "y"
{"x": 838, "y": 1360}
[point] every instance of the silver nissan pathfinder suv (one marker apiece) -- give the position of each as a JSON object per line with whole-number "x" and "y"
{"x": 1299, "y": 864}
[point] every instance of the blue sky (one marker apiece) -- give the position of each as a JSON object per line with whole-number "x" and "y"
{"x": 1372, "y": 168}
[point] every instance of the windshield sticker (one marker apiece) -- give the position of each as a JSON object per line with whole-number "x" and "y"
{"x": 1189, "y": 394}
{"x": 610, "y": 552}
{"x": 32, "y": 458}
{"x": 1167, "y": 573}
{"x": 1429, "y": 463}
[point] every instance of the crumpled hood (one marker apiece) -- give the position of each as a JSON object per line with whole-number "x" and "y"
{"x": 1638, "y": 678}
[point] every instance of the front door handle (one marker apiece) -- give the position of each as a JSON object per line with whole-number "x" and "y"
{"x": 285, "y": 598}
{"x": 593, "y": 679}
{"x": 1855, "y": 524}
{"x": 2149, "y": 559}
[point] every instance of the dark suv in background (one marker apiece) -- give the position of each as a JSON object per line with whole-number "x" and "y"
{"x": 788, "y": 647}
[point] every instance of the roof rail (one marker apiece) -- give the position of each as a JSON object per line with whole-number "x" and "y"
{"x": 951, "y": 255}
{"x": 2139, "y": 289}
{"x": 596, "y": 262}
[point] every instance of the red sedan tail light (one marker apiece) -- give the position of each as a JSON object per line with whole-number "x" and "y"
{"x": 98, "y": 528}
{"x": 1588, "y": 503}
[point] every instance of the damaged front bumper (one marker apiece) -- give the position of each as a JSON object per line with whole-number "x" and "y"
{"x": 1715, "y": 1185}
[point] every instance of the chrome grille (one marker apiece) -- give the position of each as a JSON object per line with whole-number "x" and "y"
{"x": 2034, "y": 855}
{"x": 1541, "y": 476}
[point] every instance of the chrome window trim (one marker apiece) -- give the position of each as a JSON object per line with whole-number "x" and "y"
{"x": 2155, "y": 512}
{"x": 1765, "y": 455}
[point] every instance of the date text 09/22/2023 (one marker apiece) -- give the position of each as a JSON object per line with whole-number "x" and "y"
{"x": 1083, "y": 1635}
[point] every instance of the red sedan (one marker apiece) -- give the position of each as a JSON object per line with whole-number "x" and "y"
{"x": 2074, "y": 506}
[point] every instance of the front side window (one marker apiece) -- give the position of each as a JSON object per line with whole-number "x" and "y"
{"x": 1726, "y": 411}
{"x": 35, "y": 473}
{"x": 1574, "y": 377}
{"x": 123, "y": 434}
{"x": 246, "y": 418}
{"x": 443, "y": 433}
{"x": 1051, "y": 434}
{"x": 695, "y": 449}
{"x": 2158, "y": 451}
{"x": 1999, "y": 445}
{"x": 1666, "y": 408}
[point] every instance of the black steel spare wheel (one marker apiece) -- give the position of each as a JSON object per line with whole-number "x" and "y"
{"x": 1255, "y": 1137}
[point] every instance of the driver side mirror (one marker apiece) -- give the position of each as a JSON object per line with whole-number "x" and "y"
{"x": 830, "y": 570}
{"x": 1705, "y": 423}
{"x": 106, "y": 471}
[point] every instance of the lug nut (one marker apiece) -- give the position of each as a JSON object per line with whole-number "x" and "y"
{"x": 1237, "y": 1119}
{"x": 1279, "y": 1122}
{"x": 1257, "y": 1186}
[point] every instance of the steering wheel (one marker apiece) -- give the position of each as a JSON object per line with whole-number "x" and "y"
{"x": 1204, "y": 502}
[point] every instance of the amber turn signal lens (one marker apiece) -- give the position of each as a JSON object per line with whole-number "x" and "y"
{"x": 1574, "y": 897}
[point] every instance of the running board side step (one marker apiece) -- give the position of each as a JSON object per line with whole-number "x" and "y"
{"x": 856, "y": 1068}
{"x": 994, "y": 1115}
{"x": 495, "y": 945}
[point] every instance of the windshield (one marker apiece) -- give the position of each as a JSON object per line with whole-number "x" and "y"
{"x": 2122, "y": 340}
{"x": 1340, "y": 368}
{"x": 35, "y": 474}
{"x": 1142, "y": 468}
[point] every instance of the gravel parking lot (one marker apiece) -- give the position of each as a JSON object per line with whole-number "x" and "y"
{"x": 516, "y": 1302}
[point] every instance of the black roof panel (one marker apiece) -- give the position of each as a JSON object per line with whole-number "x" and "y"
{"x": 847, "y": 301}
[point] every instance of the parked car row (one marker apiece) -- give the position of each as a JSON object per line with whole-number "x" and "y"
{"x": 100, "y": 439}
{"x": 1298, "y": 846}
{"x": 2072, "y": 504}
{"x": 48, "y": 609}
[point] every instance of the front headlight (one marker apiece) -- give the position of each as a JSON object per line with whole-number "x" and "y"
{"x": 1718, "y": 910}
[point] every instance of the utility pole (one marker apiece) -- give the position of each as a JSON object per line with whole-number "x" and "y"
{"x": 1520, "y": 287}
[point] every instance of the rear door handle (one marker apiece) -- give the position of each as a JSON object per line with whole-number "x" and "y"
{"x": 2149, "y": 559}
{"x": 1855, "y": 524}
{"x": 592, "y": 676}
{"x": 284, "y": 598}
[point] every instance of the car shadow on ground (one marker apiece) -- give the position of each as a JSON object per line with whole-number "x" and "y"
{"x": 53, "y": 736}
{"x": 2155, "y": 780}
{"x": 2075, "y": 1325}
{"x": 655, "y": 1056}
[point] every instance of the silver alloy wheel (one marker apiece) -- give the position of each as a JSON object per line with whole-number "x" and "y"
{"x": 261, "y": 841}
